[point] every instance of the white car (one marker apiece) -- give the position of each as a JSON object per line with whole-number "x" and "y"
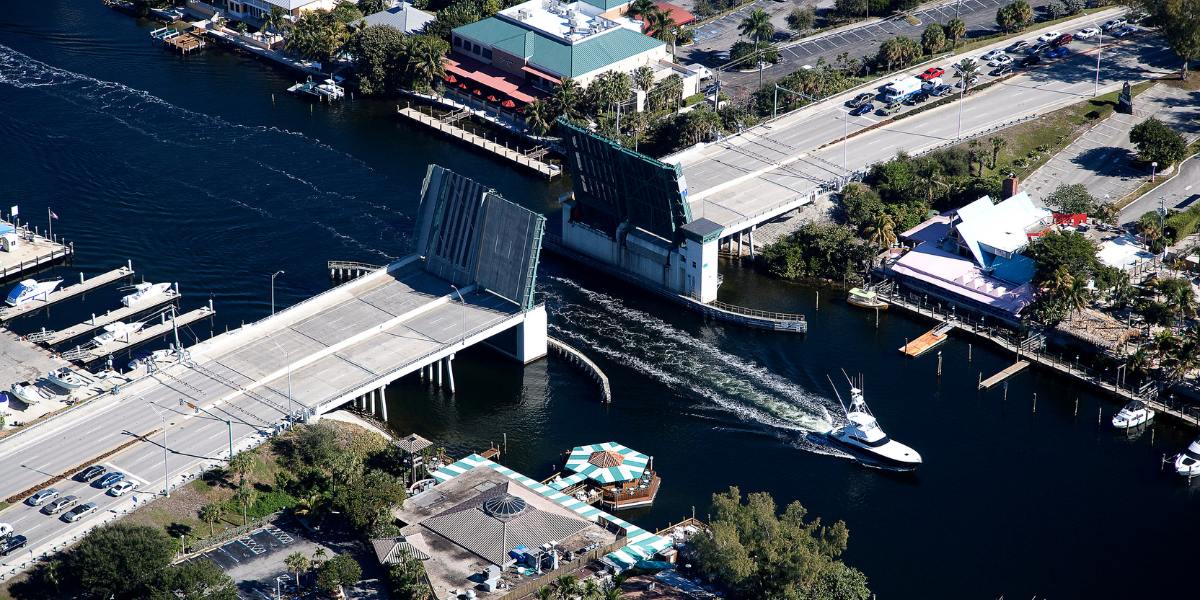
{"x": 993, "y": 54}
{"x": 1049, "y": 36}
{"x": 121, "y": 488}
{"x": 999, "y": 61}
{"x": 1087, "y": 34}
{"x": 1113, "y": 24}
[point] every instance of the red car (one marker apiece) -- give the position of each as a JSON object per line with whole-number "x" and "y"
{"x": 1062, "y": 40}
{"x": 932, "y": 72}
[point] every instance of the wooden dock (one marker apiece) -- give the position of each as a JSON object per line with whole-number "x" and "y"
{"x": 928, "y": 341}
{"x": 31, "y": 252}
{"x": 52, "y": 338}
{"x": 503, "y": 151}
{"x": 85, "y": 354}
{"x": 1008, "y": 371}
{"x": 84, "y": 285}
{"x": 185, "y": 43}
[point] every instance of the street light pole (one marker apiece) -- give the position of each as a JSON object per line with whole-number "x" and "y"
{"x": 166, "y": 470}
{"x": 228, "y": 423}
{"x": 1099, "y": 49}
{"x": 288, "y": 357}
{"x": 273, "y": 276}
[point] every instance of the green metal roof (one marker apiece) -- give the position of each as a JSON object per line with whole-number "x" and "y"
{"x": 554, "y": 56}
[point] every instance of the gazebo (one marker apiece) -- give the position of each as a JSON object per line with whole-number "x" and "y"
{"x": 623, "y": 475}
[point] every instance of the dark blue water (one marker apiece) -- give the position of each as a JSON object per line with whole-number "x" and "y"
{"x": 190, "y": 169}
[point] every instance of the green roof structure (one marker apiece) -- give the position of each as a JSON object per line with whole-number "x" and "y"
{"x": 554, "y": 56}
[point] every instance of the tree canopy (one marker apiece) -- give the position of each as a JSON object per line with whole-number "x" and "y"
{"x": 1073, "y": 198}
{"x": 756, "y": 552}
{"x": 1180, "y": 23}
{"x": 1157, "y": 142}
{"x": 1015, "y": 16}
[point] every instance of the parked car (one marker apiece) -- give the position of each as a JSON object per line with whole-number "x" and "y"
{"x": 60, "y": 505}
{"x": 1049, "y": 35}
{"x": 1017, "y": 46}
{"x": 889, "y": 109}
{"x": 1001, "y": 71}
{"x": 941, "y": 90}
{"x": 992, "y": 55}
{"x": 932, "y": 72}
{"x": 1113, "y": 24}
{"x": 121, "y": 488}
{"x": 1057, "y": 53}
{"x": 859, "y": 100}
{"x": 862, "y": 109}
{"x": 1062, "y": 40}
{"x": 109, "y": 480}
{"x": 1037, "y": 48}
{"x": 14, "y": 542}
{"x": 90, "y": 473}
{"x": 917, "y": 98}
{"x": 1003, "y": 59}
{"x": 1087, "y": 34}
{"x": 1124, "y": 31}
{"x": 1031, "y": 60}
{"x": 41, "y": 497}
{"x": 79, "y": 511}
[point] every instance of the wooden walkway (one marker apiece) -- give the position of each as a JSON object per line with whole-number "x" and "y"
{"x": 186, "y": 43}
{"x": 503, "y": 151}
{"x": 86, "y": 355}
{"x": 928, "y": 341}
{"x": 1008, "y": 371}
{"x": 84, "y": 285}
{"x": 52, "y": 338}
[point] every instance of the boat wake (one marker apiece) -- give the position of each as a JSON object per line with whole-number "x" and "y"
{"x": 760, "y": 399}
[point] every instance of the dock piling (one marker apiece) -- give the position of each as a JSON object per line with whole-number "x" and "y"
{"x": 1077, "y": 406}
{"x": 939, "y": 363}
{"x": 1035, "y": 403}
{"x": 968, "y": 352}
{"x": 1005, "y": 391}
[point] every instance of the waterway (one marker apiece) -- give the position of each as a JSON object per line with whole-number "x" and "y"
{"x": 204, "y": 171}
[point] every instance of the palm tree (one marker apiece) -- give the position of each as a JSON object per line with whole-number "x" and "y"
{"x": 297, "y": 563}
{"x": 245, "y": 497}
{"x": 545, "y": 593}
{"x": 276, "y": 20}
{"x": 882, "y": 230}
{"x": 241, "y": 464}
{"x": 955, "y": 30}
{"x": 641, "y": 7}
{"x": 613, "y": 593}
{"x": 309, "y": 505}
{"x": 643, "y": 78}
{"x": 211, "y": 514}
{"x": 1077, "y": 296}
{"x": 318, "y": 557}
{"x": 757, "y": 26}
{"x": 539, "y": 116}
{"x": 1107, "y": 212}
{"x": 966, "y": 70}
{"x": 662, "y": 27}
{"x": 566, "y": 98}
{"x": 424, "y": 62}
{"x": 998, "y": 144}
{"x": 591, "y": 590}
{"x": 566, "y": 587}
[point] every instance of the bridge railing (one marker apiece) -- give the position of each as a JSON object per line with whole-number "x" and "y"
{"x": 754, "y": 312}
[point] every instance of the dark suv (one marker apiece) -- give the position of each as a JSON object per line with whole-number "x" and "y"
{"x": 13, "y": 542}
{"x": 90, "y": 473}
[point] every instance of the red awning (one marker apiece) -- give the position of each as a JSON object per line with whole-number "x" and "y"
{"x": 477, "y": 92}
{"x": 508, "y": 103}
{"x": 497, "y": 82}
{"x": 542, "y": 74}
{"x": 462, "y": 86}
{"x": 450, "y": 78}
{"x": 492, "y": 99}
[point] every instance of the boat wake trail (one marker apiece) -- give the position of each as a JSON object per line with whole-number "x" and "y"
{"x": 761, "y": 400}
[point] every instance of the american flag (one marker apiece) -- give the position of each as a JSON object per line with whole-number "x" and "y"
{"x": 53, "y": 215}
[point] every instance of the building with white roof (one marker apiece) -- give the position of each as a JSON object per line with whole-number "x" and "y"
{"x": 259, "y": 9}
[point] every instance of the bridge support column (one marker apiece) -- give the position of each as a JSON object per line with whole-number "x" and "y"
{"x": 450, "y": 372}
{"x": 383, "y": 403}
{"x": 752, "y": 242}
{"x": 438, "y": 366}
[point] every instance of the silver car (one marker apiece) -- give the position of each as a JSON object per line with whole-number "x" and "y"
{"x": 79, "y": 511}
{"x": 60, "y": 505}
{"x": 42, "y": 496}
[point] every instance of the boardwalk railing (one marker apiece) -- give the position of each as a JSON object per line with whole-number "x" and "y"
{"x": 501, "y": 150}
{"x": 580, "y": 359}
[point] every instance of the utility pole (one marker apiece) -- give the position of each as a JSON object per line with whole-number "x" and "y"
{"x": 166, "y": 470}
{"x": 273, "y": 276}
{"x": 228, "y": 423}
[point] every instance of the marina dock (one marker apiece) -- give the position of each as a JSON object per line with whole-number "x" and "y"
{"x": 30, "y": 252}
{"x": 84, "y": 285}
{"x": 1009, "y": 371}
{"x": 928, "y": 341}
{"x": 52, "y": 338}
{"x": 531, "y": 160}
{"x": 85, "y": 354}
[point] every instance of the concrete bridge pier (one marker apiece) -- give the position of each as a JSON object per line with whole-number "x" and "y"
{"x": 382, "y": 393}
{"x": 450, "y": 371}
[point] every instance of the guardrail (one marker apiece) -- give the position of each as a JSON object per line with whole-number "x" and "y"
{"x": 754, "y": 312}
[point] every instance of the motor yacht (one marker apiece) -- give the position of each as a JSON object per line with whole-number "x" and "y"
{"x": 144, "y": 291}
{"x": 1187, "y": 463}
{"x": 1133, "y": 414}
{"x": 29, "y": 290}
{"x": 866, "y": 440}
{"x": 330, "y": 90}
{"x": 67, "y": 378}
{"x": 119, "y": 331}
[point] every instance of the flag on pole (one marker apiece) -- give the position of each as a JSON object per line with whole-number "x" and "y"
{"x": 14, "y": 211}
{"x": 53, "y": 215}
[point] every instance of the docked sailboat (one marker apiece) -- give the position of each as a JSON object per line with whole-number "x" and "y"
{"x": 144, "y": 291}
{"x": 29, "y": 290}
{"x": 865, "y": 299}
{"x": 1133, "y": 414}
{"x": 1187, "y": 463}
{"x": 67, "y": 378}
{"x": 865, "y": 439}
{"x": 119, "y": 331}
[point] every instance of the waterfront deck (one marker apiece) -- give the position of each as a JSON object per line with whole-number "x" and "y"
{"x": 531, "y": 160}
{"x": 31, "y": 252}
{"x": 185, "y": 43}
{"x": 1008, "y": 371}
{"x": 928, "y": 340}
{"x": 53, "y": 338}
{"x": 84, "y": 286}
{"x": 87, "y": 354}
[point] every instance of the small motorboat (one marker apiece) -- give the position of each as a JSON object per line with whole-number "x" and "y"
{"x": 153, "y": 361}
{"x": 865, "y": 299}
{"x": 29, "y": 290}
{"x": 865, "y": 439}
{"x": 1133, "y": 414}
{"x": 67, "y": 378}
{"x": 330, "y": 90}
{"x": 114, "y": 332}
{"x": 26, "y": 392}
{"x": 1187, "y": 463}
{"x": 144, "y": 291}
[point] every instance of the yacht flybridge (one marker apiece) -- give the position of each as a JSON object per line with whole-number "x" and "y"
{"x": 144, "y": 291}
{"x": 1187, "y": 463}
{"x": 1133, "y": 414}
{"x": 865, "y": 439}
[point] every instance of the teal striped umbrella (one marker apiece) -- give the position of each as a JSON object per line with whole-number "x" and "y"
{"x": 609, "y": 462}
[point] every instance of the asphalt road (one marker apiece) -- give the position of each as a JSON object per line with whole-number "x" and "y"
{"x": 714, "y": 40}
{"x": 1180, "y": 192}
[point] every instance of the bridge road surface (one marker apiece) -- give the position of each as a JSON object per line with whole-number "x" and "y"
{"x": 737, "y": 180}
{"x": 336, "y": 342}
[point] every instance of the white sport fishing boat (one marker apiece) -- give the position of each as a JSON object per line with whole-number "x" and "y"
{"x": 866, "y": 440}
{"x": 119, "y": 331}
{"x": 31, "y": 289}
{"x": 1133, "y": 414}
{"x": 144, "y": 291}
{"x": 26, "y": 392}
{"x": 1187, "y": 463}
{"x": 67, "y": 378}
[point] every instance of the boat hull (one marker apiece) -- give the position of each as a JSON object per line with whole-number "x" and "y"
{"x": 867, "y": 303}
{"x": 870, "y": 458}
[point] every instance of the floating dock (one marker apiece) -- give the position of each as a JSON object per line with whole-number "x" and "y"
{"x": 53, "y": 338}
{"x": 1009, "y": 371}
{"x": 84, "y": 285}
{"x": 30, "y": 252}
{"x": 928, "y": 341}
{"x": 84, "y": 354}
{"x": 503, "y": 151}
